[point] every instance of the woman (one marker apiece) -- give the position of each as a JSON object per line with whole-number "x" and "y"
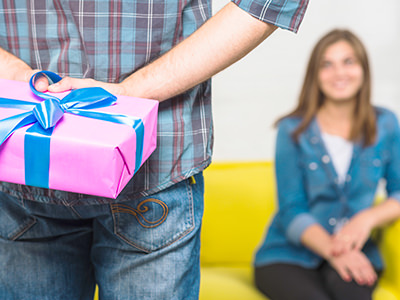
{"x": 331, "y": 152}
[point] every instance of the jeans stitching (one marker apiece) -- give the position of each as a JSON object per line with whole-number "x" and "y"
{"x": 15, "y": 235}
{"x": 138, "y": 212}
{"x": 26, "y": 224}
{"x": 72, "y": 208}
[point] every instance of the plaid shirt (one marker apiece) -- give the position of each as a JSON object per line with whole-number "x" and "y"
{"x": 108, "y": 40}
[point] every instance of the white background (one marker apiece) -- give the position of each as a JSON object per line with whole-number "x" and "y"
{"x": 250, "y": 95}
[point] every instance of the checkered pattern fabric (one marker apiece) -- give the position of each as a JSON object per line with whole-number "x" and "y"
{"x": 108, "y": 40}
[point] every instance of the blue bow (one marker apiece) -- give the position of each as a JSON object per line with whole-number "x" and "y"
{"x": 45, "y": 115}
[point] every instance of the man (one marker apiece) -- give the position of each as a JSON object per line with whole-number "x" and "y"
{"x": 58, "y": 245}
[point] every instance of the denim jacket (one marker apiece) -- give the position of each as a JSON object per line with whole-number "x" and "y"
{"x": 309, "y": 192}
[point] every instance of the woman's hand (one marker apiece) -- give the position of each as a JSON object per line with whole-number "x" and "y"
{"x": 354, "y": 265}
{"x": 354, "y": 234}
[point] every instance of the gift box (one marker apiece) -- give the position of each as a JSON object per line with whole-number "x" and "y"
{"x": 85, "y": 141}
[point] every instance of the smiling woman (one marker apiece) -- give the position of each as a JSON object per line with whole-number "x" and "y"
{"x": 331, "y": 152}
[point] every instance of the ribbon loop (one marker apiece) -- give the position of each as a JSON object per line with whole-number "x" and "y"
{"x": 51, "y": 78}
{"x": 48, "y": 113}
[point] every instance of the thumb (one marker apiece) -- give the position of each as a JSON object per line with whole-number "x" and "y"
{"x": 42, "y": 84}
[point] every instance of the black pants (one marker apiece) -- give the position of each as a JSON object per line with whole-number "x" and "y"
{"x": 291, "y": 282}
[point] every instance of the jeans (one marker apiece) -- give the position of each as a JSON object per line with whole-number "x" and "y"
{"x": 143, "y": 249}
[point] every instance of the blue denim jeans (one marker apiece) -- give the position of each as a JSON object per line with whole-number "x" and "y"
{"x": 142, "y": 249}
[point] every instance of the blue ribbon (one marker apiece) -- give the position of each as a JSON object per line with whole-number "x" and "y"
{"x": 45, "y": 115}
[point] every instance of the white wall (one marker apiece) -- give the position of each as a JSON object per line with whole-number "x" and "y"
{"x": 250, "y": 95}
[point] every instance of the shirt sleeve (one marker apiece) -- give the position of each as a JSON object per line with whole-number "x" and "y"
{"x": 286, "y": 14}
{"x": 294, "y": 215}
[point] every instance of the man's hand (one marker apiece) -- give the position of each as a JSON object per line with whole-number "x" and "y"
{"x": 69, "y": 83}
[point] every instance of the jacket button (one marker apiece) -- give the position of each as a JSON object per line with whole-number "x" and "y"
{"x": 332, "y": 221}
{"x": 326, "y": 159}
{"x": 313, "y": 166}
{"x": 376, "y": 162}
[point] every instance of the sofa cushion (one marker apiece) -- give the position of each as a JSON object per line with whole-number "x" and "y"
{"x": 228, "y": 283}
{"x": 239, "y": 203}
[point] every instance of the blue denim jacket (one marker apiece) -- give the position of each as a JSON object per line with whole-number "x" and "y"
{"x": 309, "y": 192}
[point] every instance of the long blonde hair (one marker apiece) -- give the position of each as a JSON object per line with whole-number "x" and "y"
{"x": 311, "y": 97}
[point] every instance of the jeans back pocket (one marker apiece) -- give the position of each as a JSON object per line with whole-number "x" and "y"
{"x": 14, "y": 219}
{"x": 157, "y": 221}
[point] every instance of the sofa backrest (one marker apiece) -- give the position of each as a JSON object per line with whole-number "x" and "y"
{"x": 239, "y": 202}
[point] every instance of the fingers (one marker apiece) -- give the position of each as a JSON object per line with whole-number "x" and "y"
{"x": 364, "y": 276}
{"x": 343, "y": 272}
{"x": 41, "y": 82}
{"x": 68, "y": 83}
{"x": 362, "y": 271}
{"x": 355, "y": 266}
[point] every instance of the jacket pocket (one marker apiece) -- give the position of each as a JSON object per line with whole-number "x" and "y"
{"x": 316, "y": 179}
{"x": 372, "y": 167}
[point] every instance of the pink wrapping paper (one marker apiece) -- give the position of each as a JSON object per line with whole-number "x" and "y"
{"x": 87, "y": 156}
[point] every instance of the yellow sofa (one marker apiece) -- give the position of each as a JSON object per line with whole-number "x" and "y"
{"x": 239, "y": 202}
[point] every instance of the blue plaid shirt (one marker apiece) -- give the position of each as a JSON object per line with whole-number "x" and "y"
{"x": 108, "y": 40}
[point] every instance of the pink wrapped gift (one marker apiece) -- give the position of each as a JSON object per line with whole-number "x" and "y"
{"x": 84, "y": 154}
